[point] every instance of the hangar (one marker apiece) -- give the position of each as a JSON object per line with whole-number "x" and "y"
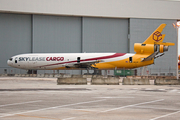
{"x": 77, "y": 26}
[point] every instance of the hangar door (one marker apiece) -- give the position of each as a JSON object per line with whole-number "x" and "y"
{"x": 56, "y": 34}
{"x": 105, "y": 35}
{"x": 15, "y": 38}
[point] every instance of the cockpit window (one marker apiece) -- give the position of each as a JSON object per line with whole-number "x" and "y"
{"x": 11, "y": 59}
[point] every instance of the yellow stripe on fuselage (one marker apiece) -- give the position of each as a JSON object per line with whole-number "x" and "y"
{"x": 137, "y": 58}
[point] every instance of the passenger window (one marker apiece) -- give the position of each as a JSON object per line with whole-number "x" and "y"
{"x": 15, "y": 61}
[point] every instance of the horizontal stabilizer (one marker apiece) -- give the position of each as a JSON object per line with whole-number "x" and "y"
{"x": 150, "y": 56}
{"x": 165, "y": 43}
{"x": 158, "y": 55}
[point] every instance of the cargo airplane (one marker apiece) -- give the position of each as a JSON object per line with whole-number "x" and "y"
{"x": 146, "y": 52}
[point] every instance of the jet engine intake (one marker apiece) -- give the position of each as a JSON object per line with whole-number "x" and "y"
{"x": 163, "y": 48}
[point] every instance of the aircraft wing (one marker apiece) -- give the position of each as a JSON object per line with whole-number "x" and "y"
{"x": 154, "y": 55}
{"x": 87, "y": 65}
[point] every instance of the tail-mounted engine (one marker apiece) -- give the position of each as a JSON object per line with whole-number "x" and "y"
{"x": 163, "y": 48}
{"x": 149, "y": 48}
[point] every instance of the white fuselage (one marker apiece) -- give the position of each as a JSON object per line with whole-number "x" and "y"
{"x": 50, "y": 61}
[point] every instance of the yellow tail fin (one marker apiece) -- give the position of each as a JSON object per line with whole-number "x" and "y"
{"x": 156, "y": 36}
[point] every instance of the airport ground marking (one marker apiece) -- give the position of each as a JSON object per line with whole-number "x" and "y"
{"x": 85, "y": 110}
{"x": 139, "y": 95}
{"x": 161, "y": 89}
{"x": 114, "y": 97}
{"x": 38, "y": 117}
{"x": 156, "y": 108}
{"x": 174, "y": 90}
{"x": 120, "y": 108}
{"x": 52, "y": 108}
{"x": 165, "y": 115}
{"x": 20, "y": 103}
{"x": 149, "y": 89}
{"x": 132, "y": 105}
{"x": 69, "y": 118}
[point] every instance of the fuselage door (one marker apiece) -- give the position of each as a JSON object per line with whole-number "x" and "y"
{"x": 78, "y": 59}
{"x": 133, "y": 62}
{"x": 130, "y": 60}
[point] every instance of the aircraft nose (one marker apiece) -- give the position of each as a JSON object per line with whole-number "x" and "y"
{"x": 9, "y": 62}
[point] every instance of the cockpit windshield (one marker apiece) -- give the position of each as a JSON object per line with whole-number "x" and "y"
{"x": 11, "y": 59}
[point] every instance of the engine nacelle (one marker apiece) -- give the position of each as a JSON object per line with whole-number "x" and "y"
{"x": 163, "y": 48}
{"x": 149, "y": 48}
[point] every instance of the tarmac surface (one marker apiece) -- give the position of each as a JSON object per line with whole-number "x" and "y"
{"x": 42, "y": 99}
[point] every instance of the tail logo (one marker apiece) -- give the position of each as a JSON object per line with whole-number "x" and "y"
{"x": 157, "y": 36}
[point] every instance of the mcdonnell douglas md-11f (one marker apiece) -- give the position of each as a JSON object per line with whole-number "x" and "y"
{"x": 146, "y": 52}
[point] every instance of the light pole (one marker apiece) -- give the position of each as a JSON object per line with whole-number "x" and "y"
{"x": 177, "y": 26}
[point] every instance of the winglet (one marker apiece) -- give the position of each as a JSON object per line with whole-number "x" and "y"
{"x": 156, "y": 36}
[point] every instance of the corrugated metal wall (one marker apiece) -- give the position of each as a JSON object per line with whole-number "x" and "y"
{"x": 56, "y": 34}
{"x": 46, "y": 34}
{"x": 15, "y": 37}
{"x": 141, "y": 29}
{"x": 105, "y": 35}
